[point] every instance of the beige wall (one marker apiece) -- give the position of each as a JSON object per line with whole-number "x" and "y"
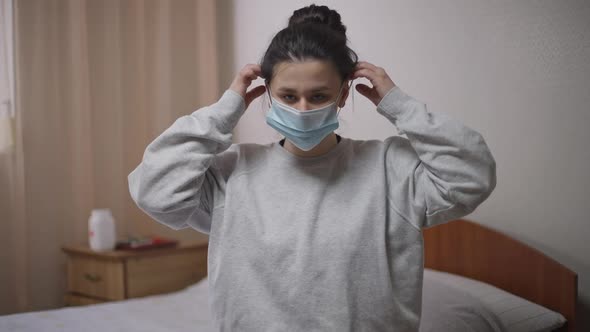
{"x": 516, "y": 71}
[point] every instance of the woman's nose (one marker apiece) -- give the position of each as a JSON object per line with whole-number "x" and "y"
{"x": 303, "y": 105}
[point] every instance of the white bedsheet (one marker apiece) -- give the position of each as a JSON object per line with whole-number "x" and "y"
{"x": 185, "y": 310}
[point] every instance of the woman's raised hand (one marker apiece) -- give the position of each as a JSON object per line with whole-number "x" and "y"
{"x": 378, "y": 78}
{"x": 244, "y": 79}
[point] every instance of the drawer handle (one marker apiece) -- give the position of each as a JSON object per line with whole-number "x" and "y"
{"x": 92, "y": 277}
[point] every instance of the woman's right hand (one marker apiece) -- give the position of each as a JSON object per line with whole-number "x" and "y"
{"x": 244, "y": 79}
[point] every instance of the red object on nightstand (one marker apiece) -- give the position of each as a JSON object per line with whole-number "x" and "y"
{"x": 145, "y": 242}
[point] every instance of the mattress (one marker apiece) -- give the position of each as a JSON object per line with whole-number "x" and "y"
{"x": 449, "y": 303}
{"x": 184, "y": 310}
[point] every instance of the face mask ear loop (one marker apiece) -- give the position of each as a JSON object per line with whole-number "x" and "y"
{"x": 268, "y": 92}
{"x": 340, "y": 108}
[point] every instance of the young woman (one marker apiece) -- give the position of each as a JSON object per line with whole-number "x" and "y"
{"x": 316, "y": 232}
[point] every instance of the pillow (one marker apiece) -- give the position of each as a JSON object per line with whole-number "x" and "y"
{"x": 445, "y": 309}
{"x": 512, "y": 312}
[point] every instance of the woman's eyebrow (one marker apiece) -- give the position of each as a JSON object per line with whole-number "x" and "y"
{"x": 321, "y": 88}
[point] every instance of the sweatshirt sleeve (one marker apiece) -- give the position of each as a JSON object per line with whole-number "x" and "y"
{"x": 178, "y": 182}
{"x": 442, "y": 171}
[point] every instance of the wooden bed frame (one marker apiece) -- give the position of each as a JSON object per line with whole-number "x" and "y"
{"x": 469, "y": 249}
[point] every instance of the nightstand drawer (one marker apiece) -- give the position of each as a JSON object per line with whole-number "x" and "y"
{"x": 123, "y": 274}
{"x": 161, "y": 274}
{"x": 101, "y": 278}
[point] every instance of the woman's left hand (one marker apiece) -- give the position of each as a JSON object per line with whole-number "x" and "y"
{"x": 378, "y": 78}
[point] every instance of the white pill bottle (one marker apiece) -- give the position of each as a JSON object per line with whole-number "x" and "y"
{"x": 101, "y": 230}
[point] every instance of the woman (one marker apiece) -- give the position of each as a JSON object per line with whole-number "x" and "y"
{"x": 316, "y": 232}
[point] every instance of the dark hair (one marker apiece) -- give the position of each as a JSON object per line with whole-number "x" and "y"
{"x": 314, "y": 32}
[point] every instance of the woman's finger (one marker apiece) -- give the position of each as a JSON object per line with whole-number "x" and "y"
{"x": 255, "y": 72}
{"x": 244, "y": 78}
{"x": 366, "y": 90}
{"x": 370, "y": 93}
{"x": 363, "y": 88}
{"x": 254, "y": 93}
{"x": 367, "y": 65}
{"x": 251, "y": 77}
{"x": 366, "y": 73}
{"x": 257, "y": 69}
{"x": 381, "y": 81}
{"x": 376, "y": 71}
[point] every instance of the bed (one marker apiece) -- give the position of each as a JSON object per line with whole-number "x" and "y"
{"x": 475, "y": 279}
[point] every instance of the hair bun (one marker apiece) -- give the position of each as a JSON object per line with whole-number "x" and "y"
{"x": 313, "y": 14}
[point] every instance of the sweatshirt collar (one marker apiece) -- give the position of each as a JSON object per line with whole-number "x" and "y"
{"x": 283, "y": 153}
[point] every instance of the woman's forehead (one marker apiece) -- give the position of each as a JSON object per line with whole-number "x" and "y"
{"x": 305, "y": 76}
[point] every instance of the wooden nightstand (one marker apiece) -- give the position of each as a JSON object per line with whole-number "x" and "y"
{"x": 94, "y": 277}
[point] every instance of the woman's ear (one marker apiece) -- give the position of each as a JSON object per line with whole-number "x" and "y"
{"x": 345, "y": 91}
{"x": 267, "y": 86}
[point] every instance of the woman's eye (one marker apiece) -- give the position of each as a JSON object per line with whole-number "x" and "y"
{"x": 289, "y": 98}
{"x": 315, "y": 98}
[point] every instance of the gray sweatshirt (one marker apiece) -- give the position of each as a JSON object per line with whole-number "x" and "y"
{"x": 327, "y": 243}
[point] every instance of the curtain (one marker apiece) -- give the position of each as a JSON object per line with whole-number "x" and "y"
{"x": 11, "y": 231}
{"x": 6, "y": 76}
{"x": 96, "y": 81}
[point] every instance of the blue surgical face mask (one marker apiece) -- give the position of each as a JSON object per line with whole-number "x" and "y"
{"x": 305, "y": 129}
